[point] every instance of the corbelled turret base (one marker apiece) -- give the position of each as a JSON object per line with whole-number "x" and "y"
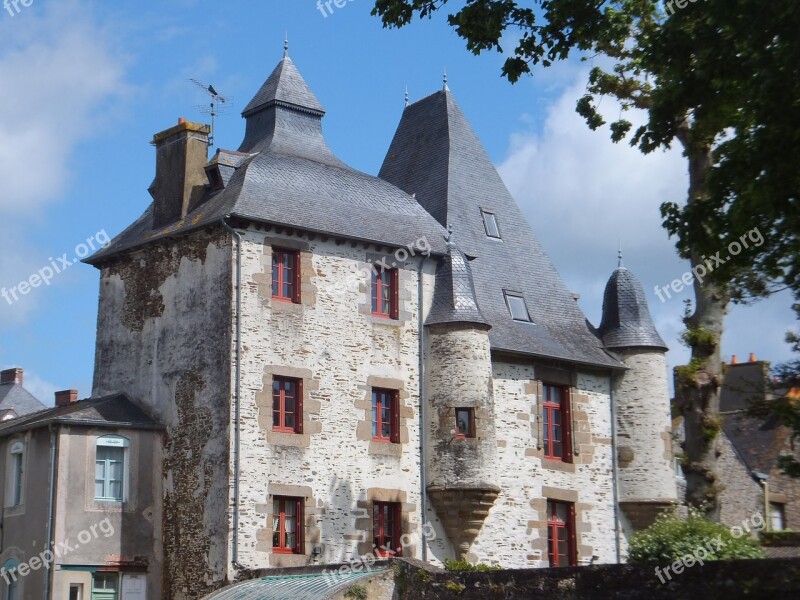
{"x": 463, "y": 511}
{"x": 643, "y": 513}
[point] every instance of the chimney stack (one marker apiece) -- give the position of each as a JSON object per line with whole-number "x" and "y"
{"x": 66, "y": 397}
{"x": 734, "y": 360}
{"x": 181, "y": 155}
{"x": 752, "y": 357}
{"x": 11, "y": 376}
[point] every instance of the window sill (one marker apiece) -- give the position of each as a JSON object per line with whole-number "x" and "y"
{"x": 385, "y": 448}
{"x": 558, "y": 465}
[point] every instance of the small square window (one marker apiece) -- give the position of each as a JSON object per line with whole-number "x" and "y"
{"x": 287, "y": 403}
{"x": 386, "y": 529}
{"x": 561, "y": 534}
{"x": 286, "y": 275}
{"x": 287, "y": 525}
{"x": 465, "y": 423}
{"x": 385, "y": 416}
{"x": 490, "y": 224}
{"x": 517, "y": 307}
{"x": 384, "y": 292}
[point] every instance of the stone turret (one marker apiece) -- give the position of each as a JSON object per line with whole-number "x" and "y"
{"x": 462, "y": 456}
{"x": 641, "y": 397}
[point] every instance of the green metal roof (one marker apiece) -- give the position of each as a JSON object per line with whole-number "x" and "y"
{"x": 293, "y": 587}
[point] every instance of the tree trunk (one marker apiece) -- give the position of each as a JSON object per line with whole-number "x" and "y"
{"x": 697, "y": 385}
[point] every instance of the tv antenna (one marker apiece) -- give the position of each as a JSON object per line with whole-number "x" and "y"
{"x": 218, "y": 106}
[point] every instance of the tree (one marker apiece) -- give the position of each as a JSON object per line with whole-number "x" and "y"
{"x": 721, "y": 79}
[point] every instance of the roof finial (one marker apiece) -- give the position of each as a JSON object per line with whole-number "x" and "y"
{"x": 406, "y": 95}
{"x": 619, "y": 254}
{"x": 446, "y": 89}
{"x": 286, "y": 46}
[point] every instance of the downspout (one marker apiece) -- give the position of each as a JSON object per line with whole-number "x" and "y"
{"x": 236, "y": 393}
{"x": 614, "y": 481}
{"x": 767, "y": 519}
{"x": 423, "y": 422}
{"x": 51, "y": 508}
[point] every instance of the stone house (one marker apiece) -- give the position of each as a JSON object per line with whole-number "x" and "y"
{"x": 15, "y": 400}
{"x": 82, "y": 501}
{"x": 348, "y": 365}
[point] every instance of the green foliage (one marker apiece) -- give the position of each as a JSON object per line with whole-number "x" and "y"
{"x": 671, "y": 538}
{"x": 699, "y": 337}
{"x": 461, "y": 565}
{"x": 356, "y": 592}
{"x": 455, "y": 586}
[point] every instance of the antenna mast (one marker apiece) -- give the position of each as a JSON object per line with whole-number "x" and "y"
{"x": 217, "y": 106}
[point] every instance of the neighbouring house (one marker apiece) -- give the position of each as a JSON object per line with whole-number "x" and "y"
{"x": 749, "y": 449}
{"x": 15, "y": 400}
{"x": 349, "y": 365}
{"x": 82, "y": 505}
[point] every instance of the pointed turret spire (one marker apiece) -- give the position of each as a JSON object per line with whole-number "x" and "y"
{"x": 286, "y": 46}
{"x": 406, "y": 95}
{"x": 626, "y": 319}
{"x": 619, "y": 256}
{"x": 446, "y": 89}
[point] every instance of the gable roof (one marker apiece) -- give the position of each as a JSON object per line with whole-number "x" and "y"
{"x": 436, "y": 155}
{"x": 15, "y": 397}
{"x": 290, "y": 177}
{"x": 116, "y": 410}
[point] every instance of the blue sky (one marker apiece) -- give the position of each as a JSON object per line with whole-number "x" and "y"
{"x": 86, "y": 84}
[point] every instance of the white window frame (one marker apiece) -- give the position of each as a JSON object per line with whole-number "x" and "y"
{"x": 103, "y": 592}
{"x": 777, "y": 512}
{"x": 15, "y": 484}
{"x": 113, "y": 441}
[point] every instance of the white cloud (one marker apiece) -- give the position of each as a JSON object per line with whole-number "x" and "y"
{"x": 584, "y": 195}
{"x": 58, "y": 70}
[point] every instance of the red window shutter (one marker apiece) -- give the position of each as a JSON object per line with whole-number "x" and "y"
{"x": 566, "y": 420}
{"x": 398, "y": 530}
{"x": 573, "y": 544}
{"x": 296, "y": 259}
{"x": 395, "y": 417}
{"x": 395, "y": 313}
{"x": 298, "y": 418}
{"x": 301, "y": 525}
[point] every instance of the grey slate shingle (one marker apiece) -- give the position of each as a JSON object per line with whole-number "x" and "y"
{"x": 626, "y": 319}
{"x": 293, "y": 179}
{"x": 436, "y": 155}
{"x": 454, "y": 299}
{"x": 17, "y": 398}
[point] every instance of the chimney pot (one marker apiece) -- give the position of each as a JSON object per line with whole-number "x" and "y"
{"x": 752, "y": 357}
{"x": 734, "y": 360}
{"x": 66, "y": 397}
{"x": 11, "y": 376}
{"x": 181, "y": 120}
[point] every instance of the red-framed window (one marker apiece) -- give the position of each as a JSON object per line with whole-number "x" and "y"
{"x": 561, "y": 534}
{"x": 287, "y": 404}
{"x": 386, "y": 531}
{"x": 384, "y": 292}
{"x": 465, "y": 423}
{"x": 385, "y": 415}
{"x": 286, "y": 275}
{"x": 287, "y": 525}
{"x": 555, "y": 423}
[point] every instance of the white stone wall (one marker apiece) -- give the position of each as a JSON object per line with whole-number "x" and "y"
{"x": 644, "y": 435}
{"x": 342, "y": 347}
{"x": 511, "y": 536}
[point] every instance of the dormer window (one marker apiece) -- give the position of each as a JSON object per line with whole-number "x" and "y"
{"x": 490, "y": 224}
{"x": 516, "y": 306}
{"x": 215, "y": 178}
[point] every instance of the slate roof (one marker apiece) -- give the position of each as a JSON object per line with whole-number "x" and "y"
{"x": 15, "y": 397}
{"x": 115, "y": 410}
{"x": 626, "y": 321}
{"x": 317, "y": 586}
{"x": 758, "y": 442}
{"x": 291, "y": 178}
{"x": 436, "y": 156}
{"x": 454, "y": 299}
